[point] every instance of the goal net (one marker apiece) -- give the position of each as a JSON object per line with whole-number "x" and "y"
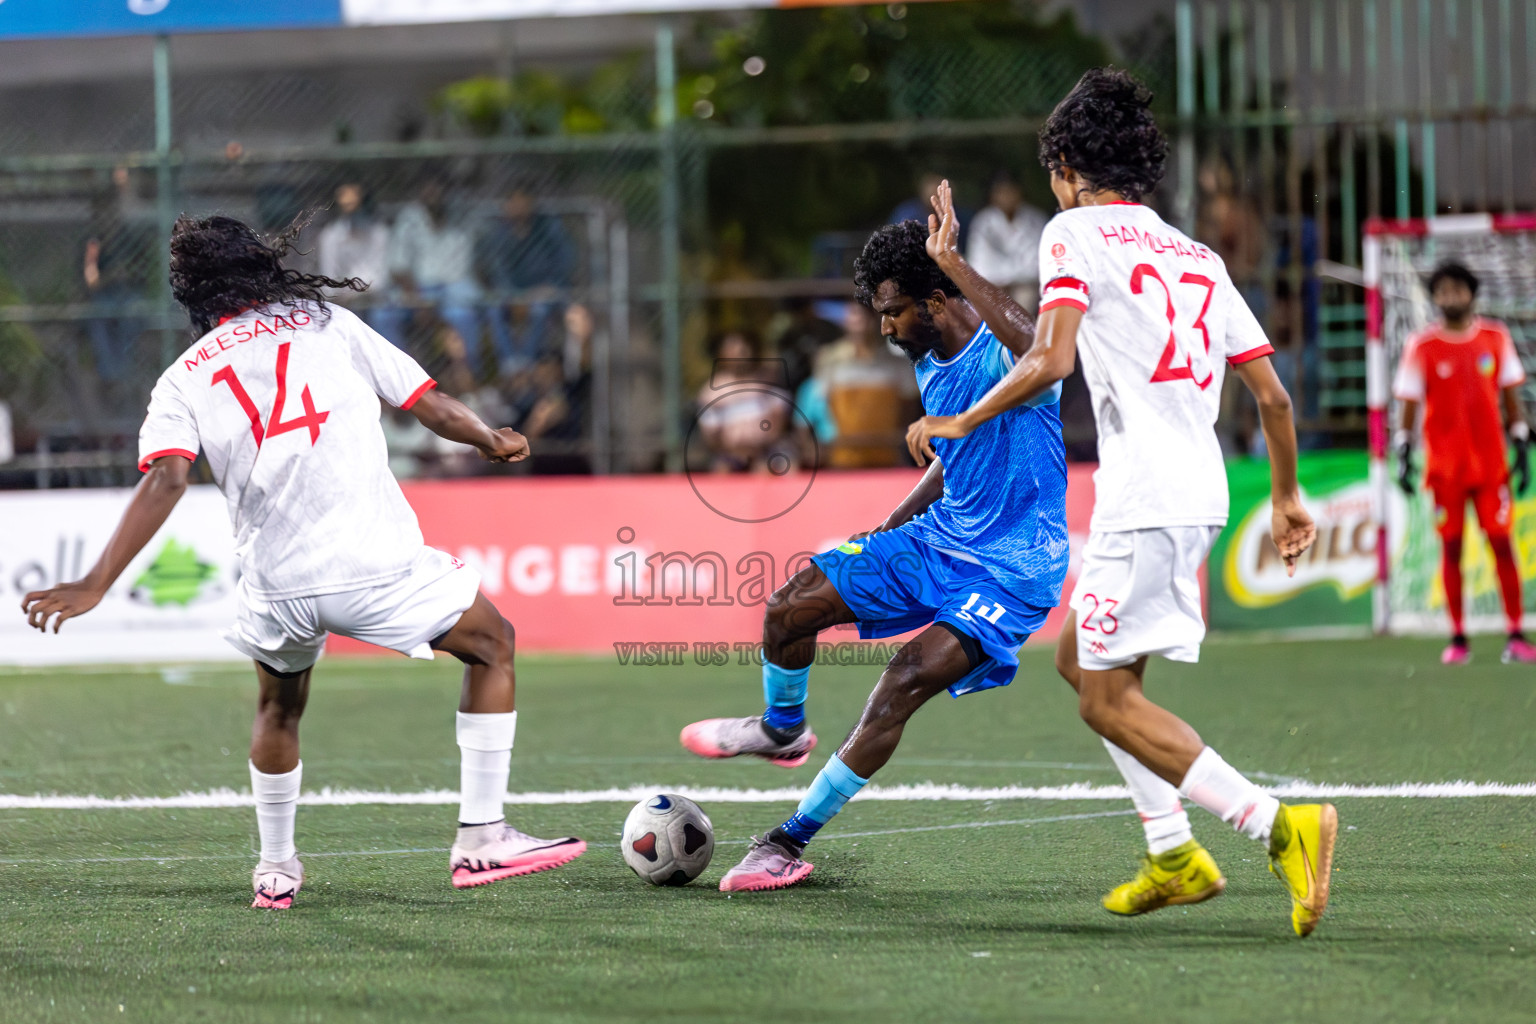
{"x": 1399, "y": 257}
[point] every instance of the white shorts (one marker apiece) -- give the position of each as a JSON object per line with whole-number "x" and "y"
{"x": 404, "y": 616}
{"x": 1138, "y": 593}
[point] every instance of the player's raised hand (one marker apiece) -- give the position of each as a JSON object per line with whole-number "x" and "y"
{"x": 920, "y": 435}
{"x": 943, "y": 225}
{"x": 1293, "y": 531}
{"x": 510, "y": 446}
{"x": 65, "y": 601}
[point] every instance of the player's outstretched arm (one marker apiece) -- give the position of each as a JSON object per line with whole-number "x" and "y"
{"x": 1048, "y": 360}
{"x": 1292, "y": 528}
{"x": 1010, "y": 322}
{"x": 449, "y": 418}
{"x": 158, "y": 493}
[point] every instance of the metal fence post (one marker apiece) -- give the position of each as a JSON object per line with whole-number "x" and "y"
{"x": 1184, "y": 22}
{"x": 164, "y": 205}
{"x": 671, "y": 249}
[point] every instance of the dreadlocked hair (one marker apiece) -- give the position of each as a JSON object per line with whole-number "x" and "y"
{"x": 899, "y": 253}
{"x": 1104, "y": 131}
{"x": 221, "y": 268}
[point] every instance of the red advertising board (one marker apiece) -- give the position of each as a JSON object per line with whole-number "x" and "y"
{"x": 584, "y": 563}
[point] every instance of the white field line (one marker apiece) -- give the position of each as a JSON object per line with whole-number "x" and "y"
{"x": 611, "y": 846}
{"x": 705, "y": 794}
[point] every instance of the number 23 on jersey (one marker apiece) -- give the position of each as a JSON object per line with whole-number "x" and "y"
{"x": 1170, "y": 367}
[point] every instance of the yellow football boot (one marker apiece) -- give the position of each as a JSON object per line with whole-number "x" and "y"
{"x": 1301, "y": 856}
{"x": 1185, "y": 874}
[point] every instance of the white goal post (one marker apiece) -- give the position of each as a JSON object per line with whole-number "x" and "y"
{"x": 1399, "y": 256}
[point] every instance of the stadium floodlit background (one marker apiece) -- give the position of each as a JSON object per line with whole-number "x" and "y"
{"x": 564, "y": 217}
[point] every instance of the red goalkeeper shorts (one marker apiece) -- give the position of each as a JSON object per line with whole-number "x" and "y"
{"x": 1495, "y": 508}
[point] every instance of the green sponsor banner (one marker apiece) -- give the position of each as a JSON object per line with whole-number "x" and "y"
{"x": 1249, "y": 588}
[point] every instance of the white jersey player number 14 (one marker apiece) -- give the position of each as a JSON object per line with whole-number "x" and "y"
{"x": 276, "y": 425}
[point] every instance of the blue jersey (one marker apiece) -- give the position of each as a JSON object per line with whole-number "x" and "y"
{"x": 1005, "y": 484}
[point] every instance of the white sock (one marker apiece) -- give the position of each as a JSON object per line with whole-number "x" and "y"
{"x": 277, "y": 801}
{"x": 485, "y": 749}
{"x": 1157, "y": 801}
{"x": 1215, "y": 785}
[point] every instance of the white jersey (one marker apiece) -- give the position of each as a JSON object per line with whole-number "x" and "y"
{"x": 285, "y": 405}
{"x": 1161, "y": 321}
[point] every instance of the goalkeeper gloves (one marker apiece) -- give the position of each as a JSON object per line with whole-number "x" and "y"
{"x": 1520, "y": 475}
{"x": 1403, "y": 442}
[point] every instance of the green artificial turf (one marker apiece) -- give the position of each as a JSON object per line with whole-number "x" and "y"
{"x": 142, "y": 914}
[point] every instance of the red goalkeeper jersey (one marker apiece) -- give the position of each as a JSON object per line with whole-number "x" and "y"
{"x": 1458, "y": 376}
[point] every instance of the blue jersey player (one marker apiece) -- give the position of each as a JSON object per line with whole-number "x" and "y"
{"x": 976, "y": 553}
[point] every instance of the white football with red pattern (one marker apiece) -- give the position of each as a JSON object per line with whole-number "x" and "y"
{"x": 668, "y": 839}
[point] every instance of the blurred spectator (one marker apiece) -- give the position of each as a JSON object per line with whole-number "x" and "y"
{"x": 529, "y": 257}
{"x": 576, "y": 348}
{"x": 1005, "y": 242}
{"x": 918, "y": 207}
{"x": 431, "y": 260}
{"x": 354, "y": 243}
{"x": 119, "y": 254}
{"x": 870, "y": 394}
{"x": 550, "y": 409}
{"x": 1231, "y": 224}
{"x": 414, "y": 451}
{"x": 744, "y": 414}
{"x": 800, "y": 339}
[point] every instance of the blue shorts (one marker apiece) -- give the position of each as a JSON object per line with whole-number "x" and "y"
{"x": 894, "y": 582}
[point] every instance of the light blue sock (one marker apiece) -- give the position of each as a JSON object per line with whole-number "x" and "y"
{"x": 833, "y": 787}
{"x": 784, "y": 692}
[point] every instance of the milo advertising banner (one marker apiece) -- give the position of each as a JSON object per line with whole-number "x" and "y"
{"x": 1332, "y": 586}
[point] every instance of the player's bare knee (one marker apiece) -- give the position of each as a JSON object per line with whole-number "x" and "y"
{"x": 1066, "y": 667}
{"x": 506, "y": 643}
{"x": 790, "y": 617}
{"x": 901, "y": 691}
{"x": 276, "y": 714}
{"x": 495, "y": 645}
{"x": 1095, "y": 707}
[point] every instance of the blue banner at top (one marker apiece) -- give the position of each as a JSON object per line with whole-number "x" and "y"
{"x": 33, "y": 18}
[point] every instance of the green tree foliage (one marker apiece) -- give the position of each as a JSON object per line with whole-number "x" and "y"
{"x": 933, "y": 60}
{"x": 976, "y": 60}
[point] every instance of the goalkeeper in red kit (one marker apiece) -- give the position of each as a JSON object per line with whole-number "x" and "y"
{"x": 1465, "y": 372}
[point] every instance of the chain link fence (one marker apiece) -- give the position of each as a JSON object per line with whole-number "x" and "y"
{"x": 570, "y": 252}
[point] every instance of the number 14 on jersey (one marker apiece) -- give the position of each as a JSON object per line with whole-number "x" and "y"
{"x": 275, "y": 425}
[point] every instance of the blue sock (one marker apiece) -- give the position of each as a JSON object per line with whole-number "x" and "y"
{"x": 833, "y": 787}
{"x": 785, "y": 719}
{"x": 784, "y": 693}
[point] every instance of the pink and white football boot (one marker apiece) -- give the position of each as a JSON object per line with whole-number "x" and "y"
{"x": 483, "y": 854}
{"x": 732, "y": 737}
{"x": 767, "y": 865}
{"x": 1456, "y": 653}
{"x": 1519, "y": 651}
{"x": 277, "y": 884}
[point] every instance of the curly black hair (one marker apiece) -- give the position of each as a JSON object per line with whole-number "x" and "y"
{"x": 1104, "y": 131}
{"x": 899, "y": 252}
{"x": 220, "y": 267}
{"x": 1453, "y": 271}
